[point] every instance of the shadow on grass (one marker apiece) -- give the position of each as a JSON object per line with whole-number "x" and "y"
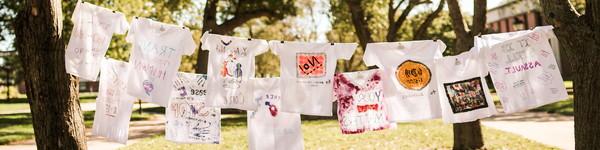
{"x": 14, "y": 119}
{"x": 83, "y": 97}
{"x": 562, "y": 107}
{"x": 7, "y": 137}
{"x": 14, "y": 101}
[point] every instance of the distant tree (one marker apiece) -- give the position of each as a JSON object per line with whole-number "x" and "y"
{"x": 52, "y": 93}
{"x": 579, "y": 37}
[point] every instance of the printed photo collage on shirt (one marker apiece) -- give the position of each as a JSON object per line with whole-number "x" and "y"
{"x": 413, "y": 82}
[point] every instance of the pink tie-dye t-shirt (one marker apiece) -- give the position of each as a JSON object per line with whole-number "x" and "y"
{"x": 360, "y": 101}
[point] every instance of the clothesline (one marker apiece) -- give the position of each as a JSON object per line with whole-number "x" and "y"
{"x": 414, "y": 81}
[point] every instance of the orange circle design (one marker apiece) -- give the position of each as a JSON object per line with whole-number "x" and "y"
{"x": 413, "y": 75}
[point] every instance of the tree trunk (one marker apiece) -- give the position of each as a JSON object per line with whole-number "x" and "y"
{"x": 52, "y": 93}
{"x": 579, "y": 38}
{"x": 467, "y": 135}
{"x": 8, "y": 71}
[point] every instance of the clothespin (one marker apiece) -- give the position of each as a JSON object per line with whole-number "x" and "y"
{"x": 332, "y": 44}
{"x": 479, "y": 34}
{"x": 400, "y": 45}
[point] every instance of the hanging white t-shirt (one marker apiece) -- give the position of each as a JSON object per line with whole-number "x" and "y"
{"x": 464, "y": 94}
{"x": 523, "y": 69}
{"x": 93, "y": 27}
{"x": 268, "y": 127}
{"x": 188, "y": 118}
{"x": 113, "y": 105}
{"x": 409, "y": 81}
{"x": 307, "y": 71}
{"x": 230, "y": 65}
{"x": 156, "y": 55}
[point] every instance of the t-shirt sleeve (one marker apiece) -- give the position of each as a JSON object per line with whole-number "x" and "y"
{"x": 121, "y": 24}
{"x": 188, "y": 42}
{"x": 441, "y": 47}
{"x": 274, "y": 46}
{"x": 77, "y": 12}
{"x": 132, "y": 31}
{"x": 261, "y": 47}
{"x": 205, "y": 41}
{"x": 369, "y": 57}
{"x": 345, "y": 50}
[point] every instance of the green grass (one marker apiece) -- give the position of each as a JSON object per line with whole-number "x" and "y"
{"x": 21, "y": 102}
{"x": 18, "y": 127}
{"x": 564, "y": 107}
{"x": 325, "y": 134}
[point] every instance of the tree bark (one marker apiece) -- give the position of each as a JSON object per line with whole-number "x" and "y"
{"x": 209, "y": 23}
{"x": 579, "y": 38}
{"x": 52, "y": 93}
{"x": 467, "y": 135}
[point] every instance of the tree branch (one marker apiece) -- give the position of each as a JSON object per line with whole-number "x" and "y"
{"x": 393, "y": 28}
{"x": 392, "y": 10}
{"x": 420, "y": 33}
{"x": 242, "y": 18}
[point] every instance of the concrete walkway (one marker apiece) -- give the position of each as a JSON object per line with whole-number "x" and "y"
{"x": 137, "y": 131}
{"x": 550, "y": 129}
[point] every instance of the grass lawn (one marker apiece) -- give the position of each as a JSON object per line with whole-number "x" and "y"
{"x": 21, "y": 103}
{"x": 325, "y": 134}
{"x": 17, "y": 127}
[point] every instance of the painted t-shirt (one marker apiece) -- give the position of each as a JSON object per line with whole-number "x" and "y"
{"x": 113, "y": 105}
{"x": 93, "y": 27}
{"x": 268, "y": 127}
{"x": 307, "y": 71}
{"x": 189, "y": 120}
{"x": 463, "y": 90}
{"x": 156, "y": 55}
{"x": 230, "y": 65}
{"x": 409, "y": 81}
{"x": 523, "y": 69}
{"x": 360, "y": 101}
